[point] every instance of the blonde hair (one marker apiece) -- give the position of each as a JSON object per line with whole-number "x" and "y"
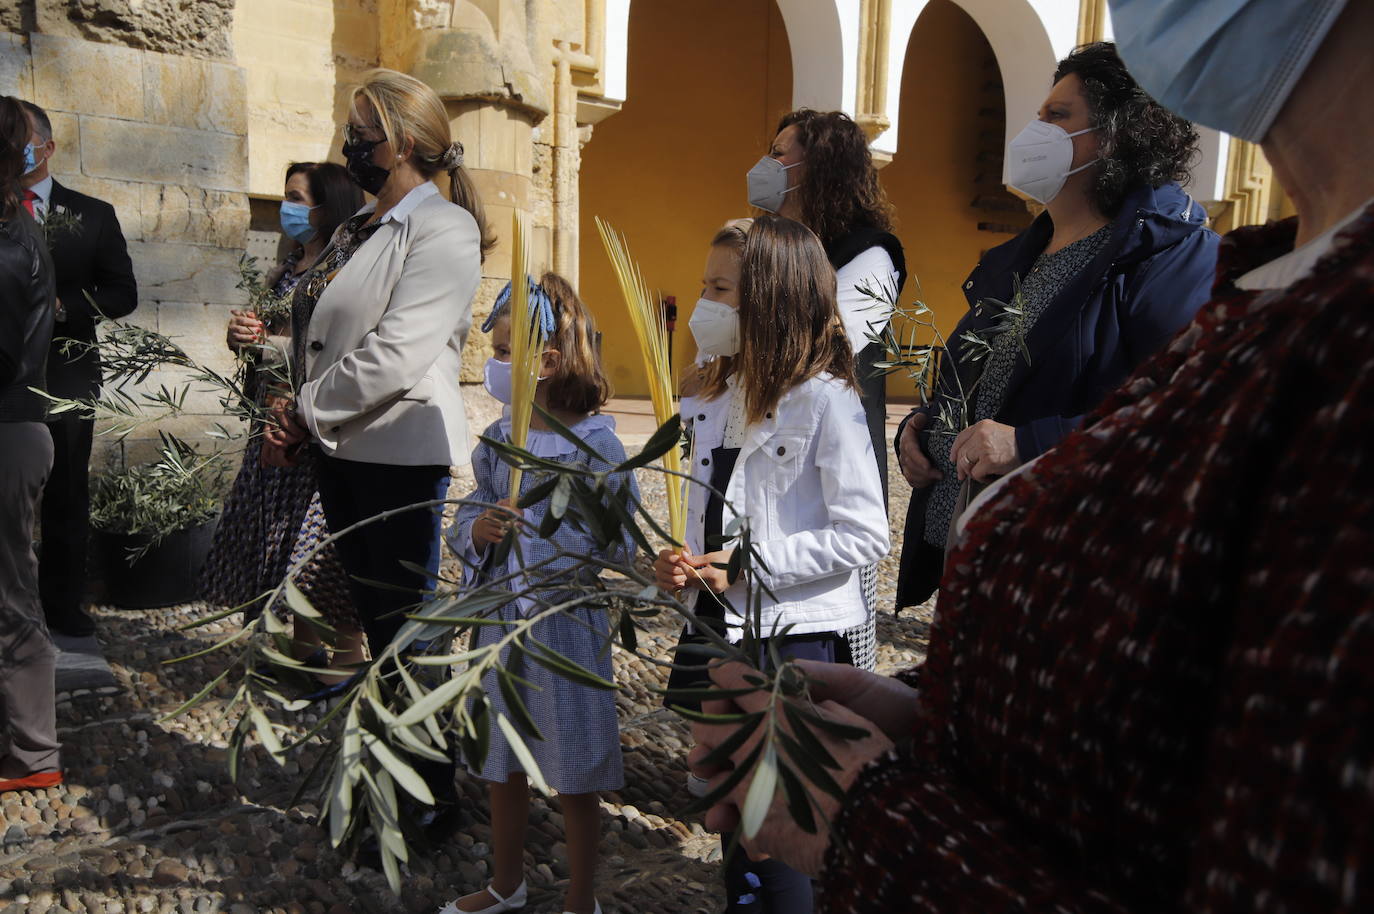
{"x": 407, "y": 109}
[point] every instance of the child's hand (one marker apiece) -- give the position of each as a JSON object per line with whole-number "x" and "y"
{"x": 669, "y": 570}
{"x": 707, "y": 576}
{"x": 492, "y": 524}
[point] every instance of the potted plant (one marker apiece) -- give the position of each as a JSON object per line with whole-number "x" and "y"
{"x": 153, "y": 524}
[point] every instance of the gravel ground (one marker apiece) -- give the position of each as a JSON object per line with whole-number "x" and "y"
{"x": 149, "y": 821}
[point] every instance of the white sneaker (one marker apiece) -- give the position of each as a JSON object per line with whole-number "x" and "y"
{"x": 515, "y": 902}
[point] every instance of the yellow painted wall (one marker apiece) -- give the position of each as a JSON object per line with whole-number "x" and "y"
{"x": 708, "y": 80}
{"x": 931, "y": 180}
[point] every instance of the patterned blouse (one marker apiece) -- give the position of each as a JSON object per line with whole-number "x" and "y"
{"x": 1039, "y": 288}
{"x": 349, "y": 236}
{"x": 1150, "y": 684}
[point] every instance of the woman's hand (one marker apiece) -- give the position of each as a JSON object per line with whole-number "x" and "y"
{"x": 275, "y": 455}
{"x": 492, "y": 524}
{"x": 919, "y": 471}
{"x": 244, "y": 329}
{"x": 889, "y": 703}
{"x": 985, "y": 449}
{"x": 780, "y": 836}
{"x": 286, "y": 431}
{"x": 706, "y": 576}
{"x": 670, "y": 572}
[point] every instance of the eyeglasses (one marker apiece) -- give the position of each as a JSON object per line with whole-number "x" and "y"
{"x": 353, "y": 133}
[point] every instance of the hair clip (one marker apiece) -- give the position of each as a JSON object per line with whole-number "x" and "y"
{"x": 452, "y": 157}
{"x": 540, "y": 305}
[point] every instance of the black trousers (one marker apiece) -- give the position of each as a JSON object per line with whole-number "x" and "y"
{"x": 65, "y": 515}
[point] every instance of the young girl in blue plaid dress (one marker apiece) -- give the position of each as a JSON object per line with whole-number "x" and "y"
{"x": 580, "y": 752}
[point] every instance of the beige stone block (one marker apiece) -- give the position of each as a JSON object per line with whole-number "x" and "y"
{"x": 201, "y": 94}
{"x": 144, "y": 445}
{"x": 124, "y": 196}
{"x": 66, "y": 132}
{"x": 163, "y": 155}
{"x": 199, "y": 330}
{"x": 497, "y": 264}
{"x": 356, "y": 35}
{"x": 16, "y": 70}
{"x": 272, "y": 149}
{"x": 87, "y": 78}
{"x": 195, "y": 216}
{"x": 186, "y": 272}
{"x": 496, "y": 149}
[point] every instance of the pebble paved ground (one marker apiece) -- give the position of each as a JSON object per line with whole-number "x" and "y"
{"x": 149, "y": 821}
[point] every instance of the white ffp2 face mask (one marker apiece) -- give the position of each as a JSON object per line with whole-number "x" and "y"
{"x": 715, "y": 327}
{"x": 1038, "y": 160}
{"x": 768, "y": 183}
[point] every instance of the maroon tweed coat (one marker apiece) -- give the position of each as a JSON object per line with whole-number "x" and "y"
{"x": 1150, "y": 684}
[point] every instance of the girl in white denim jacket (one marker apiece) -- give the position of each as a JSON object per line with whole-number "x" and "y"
{"x": 779, "y": 429}
{"x": 781, "y": 395}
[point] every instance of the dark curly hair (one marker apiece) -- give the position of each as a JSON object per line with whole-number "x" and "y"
{"x": 839, "y": 187}
{"x": 1141, "y": 142}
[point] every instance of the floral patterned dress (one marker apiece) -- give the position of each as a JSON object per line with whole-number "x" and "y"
{"x": 272, "y": 519}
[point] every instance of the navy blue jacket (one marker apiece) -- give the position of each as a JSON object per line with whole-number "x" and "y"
{"x": 1146, "y": 283}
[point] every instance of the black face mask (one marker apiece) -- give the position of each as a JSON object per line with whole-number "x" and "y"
{"x": 358, "y": 155}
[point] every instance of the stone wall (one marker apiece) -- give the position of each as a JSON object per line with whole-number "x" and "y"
{"x": 301, "y": 57}
{"x": 177, "y": 112}
{"x": 164, "y": 139}
{"x": 197, "y": 29}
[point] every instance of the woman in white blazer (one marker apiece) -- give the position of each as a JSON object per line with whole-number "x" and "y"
{"x": 378, "y": 327}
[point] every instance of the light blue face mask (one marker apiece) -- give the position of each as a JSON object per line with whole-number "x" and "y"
{"x": 295, "y": 221}
{"x": 30, "y": 158}
{"x": 1229, "y": 64}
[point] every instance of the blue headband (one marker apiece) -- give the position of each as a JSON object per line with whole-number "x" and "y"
{"x": 540, "y": 305}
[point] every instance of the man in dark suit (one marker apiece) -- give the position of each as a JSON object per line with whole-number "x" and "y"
{"x": 94, "y": 278}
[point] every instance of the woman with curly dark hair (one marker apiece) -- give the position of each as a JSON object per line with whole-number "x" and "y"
{"x": 819, "y": 171}
{"x": 1119, "y": 260}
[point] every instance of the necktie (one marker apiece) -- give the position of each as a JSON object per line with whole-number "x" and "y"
{"x": 29, "y": 198}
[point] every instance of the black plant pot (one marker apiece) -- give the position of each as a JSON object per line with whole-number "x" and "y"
{"x": 165, "y": 575}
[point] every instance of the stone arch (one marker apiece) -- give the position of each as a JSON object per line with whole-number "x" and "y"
{"x": 615, "y": 65}
{"x": 1027, "y": 36}
{"x": 699, "y": 86}
{"x": 824, "y": 37}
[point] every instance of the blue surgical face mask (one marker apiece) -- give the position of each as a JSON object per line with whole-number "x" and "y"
{"x": 295, "y": 221}
{"x": 1229, "y": 64}
{"x": 30, "y": 158}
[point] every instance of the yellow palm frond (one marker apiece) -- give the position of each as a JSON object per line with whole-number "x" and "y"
{"x": 526, "y": 343}
{"x": 646, "y": 315}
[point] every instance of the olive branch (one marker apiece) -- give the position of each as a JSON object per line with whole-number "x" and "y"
{"x": 418, "y": 698}
{"x": 918, "y": 349}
